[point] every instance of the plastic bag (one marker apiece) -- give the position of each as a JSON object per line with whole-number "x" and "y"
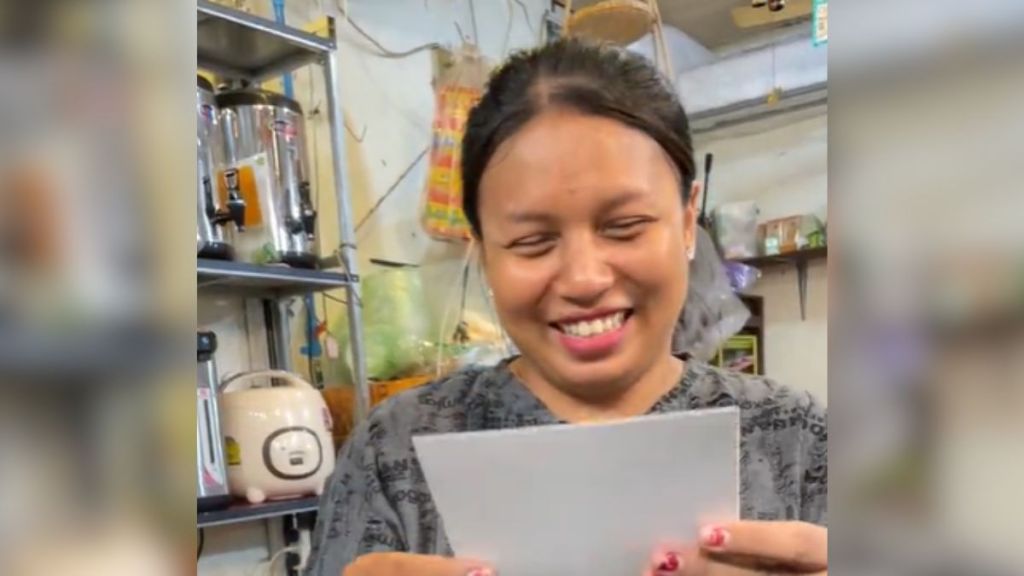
{"x": 736, "y": 229}
{"x": 458, "y": 86}
{"x": 397, "y": 326}
{"x": 712, "y": 312}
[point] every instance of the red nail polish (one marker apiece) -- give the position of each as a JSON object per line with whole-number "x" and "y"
{"x": 670, "y": 563}
{"x": 715, "y": 538}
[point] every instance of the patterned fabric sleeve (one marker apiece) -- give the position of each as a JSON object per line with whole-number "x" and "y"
{"x": 355, "y": 517}
{"x": 814, "y": 488}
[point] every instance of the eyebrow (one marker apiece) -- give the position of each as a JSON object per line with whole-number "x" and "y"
{"x": 521, "y": 216}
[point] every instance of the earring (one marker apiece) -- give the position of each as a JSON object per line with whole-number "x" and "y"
{"x": 691, "y": 253}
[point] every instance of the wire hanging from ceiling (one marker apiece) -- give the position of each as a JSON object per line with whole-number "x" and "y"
{"x": 384, "y": 52}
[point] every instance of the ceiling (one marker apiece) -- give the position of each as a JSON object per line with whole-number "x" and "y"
{"x": 709, "y": 22}
{"x": 706, "y": 21}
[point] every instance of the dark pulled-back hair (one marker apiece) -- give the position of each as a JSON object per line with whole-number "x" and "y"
{"x": 595, "y": 79}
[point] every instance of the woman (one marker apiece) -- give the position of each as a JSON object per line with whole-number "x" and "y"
{"x": 579, "y": 186}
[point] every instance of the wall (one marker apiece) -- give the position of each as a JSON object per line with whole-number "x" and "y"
{"x": 388, "y": 105}
{"x": 782, "y": 165}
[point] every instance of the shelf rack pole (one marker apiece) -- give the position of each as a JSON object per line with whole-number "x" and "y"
{"x": 801, "y": 285}
{"x": 347, "y": 249}
{"x": 275, "y": 314}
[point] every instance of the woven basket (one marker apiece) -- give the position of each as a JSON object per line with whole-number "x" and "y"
{"x": 620, "y": 22}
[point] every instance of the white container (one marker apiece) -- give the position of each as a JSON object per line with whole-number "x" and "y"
{"x": 277, "y": 439}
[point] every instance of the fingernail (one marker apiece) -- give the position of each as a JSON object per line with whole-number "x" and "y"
{"x": 671, "y": 563}
{"x": 713, "y": 537}
{"x": 481, "y": 572}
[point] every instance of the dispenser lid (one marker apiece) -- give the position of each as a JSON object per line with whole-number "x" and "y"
{"x": 206, "y": 345}
{"x": 254, "y": 97}
{"x": 203, "y": 84}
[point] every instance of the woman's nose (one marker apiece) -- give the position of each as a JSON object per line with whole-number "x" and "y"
{"x": 585, "y": 274}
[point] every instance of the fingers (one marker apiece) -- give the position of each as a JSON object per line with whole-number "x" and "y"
{"x": 665, "y": 562}
{"x": 796, "y": 545}
{"x": 400, "y": 564}
{"x": 691, "y": 561}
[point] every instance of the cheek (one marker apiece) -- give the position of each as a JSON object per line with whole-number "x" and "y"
{"x": 657, "y": 265}
{"x": 518, "y": 285}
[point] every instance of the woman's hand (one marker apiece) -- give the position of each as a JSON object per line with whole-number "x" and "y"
{"x": 748, "y": 547}
{"x": 400, "y": 564}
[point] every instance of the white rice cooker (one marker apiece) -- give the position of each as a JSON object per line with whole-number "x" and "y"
{"x": 277, "y": 438}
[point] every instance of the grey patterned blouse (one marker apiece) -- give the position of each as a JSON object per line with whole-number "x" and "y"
{"x": 377, "y": 499}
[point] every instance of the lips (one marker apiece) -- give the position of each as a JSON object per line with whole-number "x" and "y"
{"x": 595, "y": 336}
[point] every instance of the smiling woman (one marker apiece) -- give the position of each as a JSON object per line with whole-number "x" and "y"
{"x": 579, "y": 186}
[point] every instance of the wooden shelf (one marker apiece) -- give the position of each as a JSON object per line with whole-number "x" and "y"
{"x": 790, "y": 258}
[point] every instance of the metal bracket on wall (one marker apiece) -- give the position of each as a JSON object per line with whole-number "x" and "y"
{"x": 799, "y": 260}
{"x": 801, "y": 285}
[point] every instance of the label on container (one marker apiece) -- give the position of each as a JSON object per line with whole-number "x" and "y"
{"x": 233, "y": 451}
{"x": 250, "y": 179}
{"x": 819, "y": 23}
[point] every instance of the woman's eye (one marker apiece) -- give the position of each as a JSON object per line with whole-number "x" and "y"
{"x": 532, "y": 245}
{"x": 625, "y": 229}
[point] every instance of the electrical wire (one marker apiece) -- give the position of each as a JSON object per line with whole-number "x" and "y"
{"x": 384, "y": 52}
{"x": 441, "y": 338}
{"x": 508, "y": 30}
{"x": 487, "y": 295}
{"x": 476, "y": 29}
{"x": 269, "y": 571}
{"x": 526, "y": 16}
{"x": 334, "y": 298}
{"x": 401, "y": 177}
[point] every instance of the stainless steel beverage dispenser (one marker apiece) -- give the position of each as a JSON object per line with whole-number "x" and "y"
{"x": 211, "y": 469}
{"x": 264, "y": 132}
{"x": 215, "y": 212}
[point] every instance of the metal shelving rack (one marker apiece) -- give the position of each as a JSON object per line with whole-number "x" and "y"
{"x": 249, "y": 512}
{"x": 240, "y": 46}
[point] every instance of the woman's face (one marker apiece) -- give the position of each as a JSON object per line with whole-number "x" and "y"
{"x": 585, "y": 241}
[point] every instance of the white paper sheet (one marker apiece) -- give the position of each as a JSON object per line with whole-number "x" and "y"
{"x": 591, "y": 499}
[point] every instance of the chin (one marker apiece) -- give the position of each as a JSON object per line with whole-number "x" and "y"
{"x": 599, "y": 380}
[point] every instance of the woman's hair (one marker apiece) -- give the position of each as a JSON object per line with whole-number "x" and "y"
{"x": 595, "y": 79}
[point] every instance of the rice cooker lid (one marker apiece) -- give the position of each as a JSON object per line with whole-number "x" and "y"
{"x": 203, "y": 84}
{"x": 252, "y": 97}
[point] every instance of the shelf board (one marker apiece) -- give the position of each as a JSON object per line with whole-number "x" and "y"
{"x": 240, "y": 45}
{"x": 264, "y": 281}
{"x": 243, "y": 512}
{"x": 788, "y": 258}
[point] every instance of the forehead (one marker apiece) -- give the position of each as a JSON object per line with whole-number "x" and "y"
{"x": 566, "y": 158}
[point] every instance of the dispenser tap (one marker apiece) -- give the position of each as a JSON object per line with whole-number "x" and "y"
{"x": 235, "y": 210}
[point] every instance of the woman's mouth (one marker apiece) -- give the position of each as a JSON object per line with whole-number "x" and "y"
{"x": 593, "y": 338}
{"x": 593, "y": 326}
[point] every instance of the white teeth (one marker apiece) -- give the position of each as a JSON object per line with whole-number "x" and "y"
{"x": 594, "y": 327}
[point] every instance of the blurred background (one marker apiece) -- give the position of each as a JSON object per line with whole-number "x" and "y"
{"x": 864, "y": 244}
{"x": 96, "y": 290}
{"x": 927, "y": 322}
